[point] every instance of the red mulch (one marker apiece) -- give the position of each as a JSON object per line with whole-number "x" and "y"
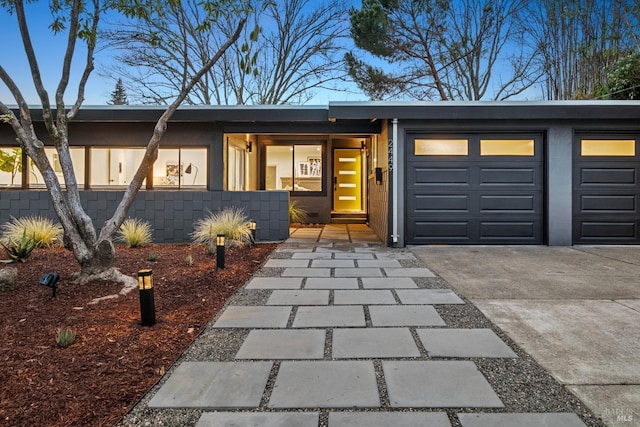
{"x": 114, "y": 360}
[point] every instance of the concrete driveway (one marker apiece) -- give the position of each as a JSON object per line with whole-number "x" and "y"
{"x": 576, "y": 310}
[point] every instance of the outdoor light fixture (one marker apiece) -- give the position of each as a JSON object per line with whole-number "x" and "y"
{"x": 188, "y": 171}
{"x": 252, "y": 227}
{"x": 249, "y": 146}
{"x": 147, "y": 304}
{"x": 220, "y": 239}
{"x": 50, "y": 280}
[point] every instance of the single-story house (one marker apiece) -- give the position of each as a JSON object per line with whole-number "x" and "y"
{"x": 540, "y": 173}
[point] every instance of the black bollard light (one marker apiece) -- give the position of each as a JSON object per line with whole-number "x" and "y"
{"x": 252, "y": 227}
{"x": 147, "y": 304}
{"x": 220, "y": 239}
{"x": 50, "y": 280}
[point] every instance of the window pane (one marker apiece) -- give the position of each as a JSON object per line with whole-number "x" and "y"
{"x": 441, "y": 147}
{"x": 235, "y": 169}
{"x": 114, "y": 166}
{"x": 167, "y": 168}
{"x": 279, "y": 166}
{"x": 308, "y": 171}
{"x": 77, "y": 158}
{"x": 10, "y": 167}
{"x": 195, "y": 167}
{"x": 608, "y": 147}
{"x": 506, "y": 147}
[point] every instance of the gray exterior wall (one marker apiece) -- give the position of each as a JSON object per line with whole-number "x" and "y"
{"x": 559, "y": 185}
{"x": 171, "y": 213}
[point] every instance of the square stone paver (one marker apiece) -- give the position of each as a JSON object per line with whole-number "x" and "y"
{"x": 283, "y": 344}
{"x": 214, "y": 385}
{"x": 388, "y": 283}
{"x": 241, "y": 316}
{"x": 299, "y": 297}
{"x": 464, "y": 343}
{"x": 363, "y": 296}
{"x": 358, "y": 272}
{"x": 373, "y": 343}
{"x": 349, "y": 255}
{"x": 274, "y": 283}
{"x": 279, "y": 263}
{"x": 521, "y": 420}
{"x": 409, "y": 272}
{"x": 394, "y": 255}
{"x": 379, "y": 263}
{"x": 325, "y": 384}
{"x": 388, "y": 419}
{"x": 312, "y": 255}
{"x": 306, "y": 272}
{"x": 438, "y": 384}
{"x": 333, "y": 263}
{"x": 405, "y": 315}
{"x": 262, "y": 419}
{"x": 428, "y": 296}
{"x": 331, "y": 283}
{"x": 327, "y": 317}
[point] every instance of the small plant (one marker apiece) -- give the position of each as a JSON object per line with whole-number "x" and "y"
{"x": 65, "y": 337}
{"x": 188, "y": 260}
{"x": 212, "y": 249}
{"x": 232, "y": 222}
{"x": 43, "y": 231}
{"x": 20, "y": 251}
{"x": 297, "y": 214}
{"x": 153, "y": 257}
{"x": 135, "y": 232}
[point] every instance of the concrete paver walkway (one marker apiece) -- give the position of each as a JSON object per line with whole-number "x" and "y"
{"x": 347, "y": 338}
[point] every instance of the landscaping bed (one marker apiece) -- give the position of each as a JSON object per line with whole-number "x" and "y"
{"x": 114, "y": 360}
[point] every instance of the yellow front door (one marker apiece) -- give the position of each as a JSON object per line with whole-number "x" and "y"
{"x": 347, "y": 180}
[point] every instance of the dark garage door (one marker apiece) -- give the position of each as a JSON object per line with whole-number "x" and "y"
{"x": 605, "y": 189}
{"x": 474, "y": 189}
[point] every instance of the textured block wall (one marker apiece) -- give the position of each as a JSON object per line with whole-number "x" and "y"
{"x": 171, "y": 213}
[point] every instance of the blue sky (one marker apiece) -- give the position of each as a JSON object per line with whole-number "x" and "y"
{"x": 49, "y": 50}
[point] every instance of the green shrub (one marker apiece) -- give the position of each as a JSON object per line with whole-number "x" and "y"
{"x": 135, "y": 232}
{"x": 297, "y": 214}
{"x": 43, "y": 231}
{"x": 232, "y": 222}
{"x": 188, "y": 260}
{"x": 153, "y": 257}
{"x": 20, "y": 250}
{"x": 65, "y": 337}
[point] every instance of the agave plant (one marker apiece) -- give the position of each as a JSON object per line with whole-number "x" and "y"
{"x": 21, "y": 250}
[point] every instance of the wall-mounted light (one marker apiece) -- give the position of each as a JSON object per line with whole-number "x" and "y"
{"x": 189, "y": 170}
{"x": 220, "y": 242}
{"x": 249, "y": 146}
{"x": 50, "y": 280}
{"x": 147, "y": 304}
{"x": 252, "y": 226}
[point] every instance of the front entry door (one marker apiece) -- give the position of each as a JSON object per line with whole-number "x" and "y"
{"x": 347, "y": 179}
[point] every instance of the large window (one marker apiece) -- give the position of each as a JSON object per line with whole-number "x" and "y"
{"x": 10, "y": 167}
{"x": 180, "y": 167}
{"x": 294, "y": 167}
{"x": 77, "y": 158}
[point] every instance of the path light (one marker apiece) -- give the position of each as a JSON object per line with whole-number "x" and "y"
{"x": 252, "y": 227}
{"x": 50, "y": 280}
{"x": 147, "y": 305}
{"x": 220, "y": 239}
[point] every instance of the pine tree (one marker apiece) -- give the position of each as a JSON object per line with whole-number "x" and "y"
{"x": 118, "y": 96}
